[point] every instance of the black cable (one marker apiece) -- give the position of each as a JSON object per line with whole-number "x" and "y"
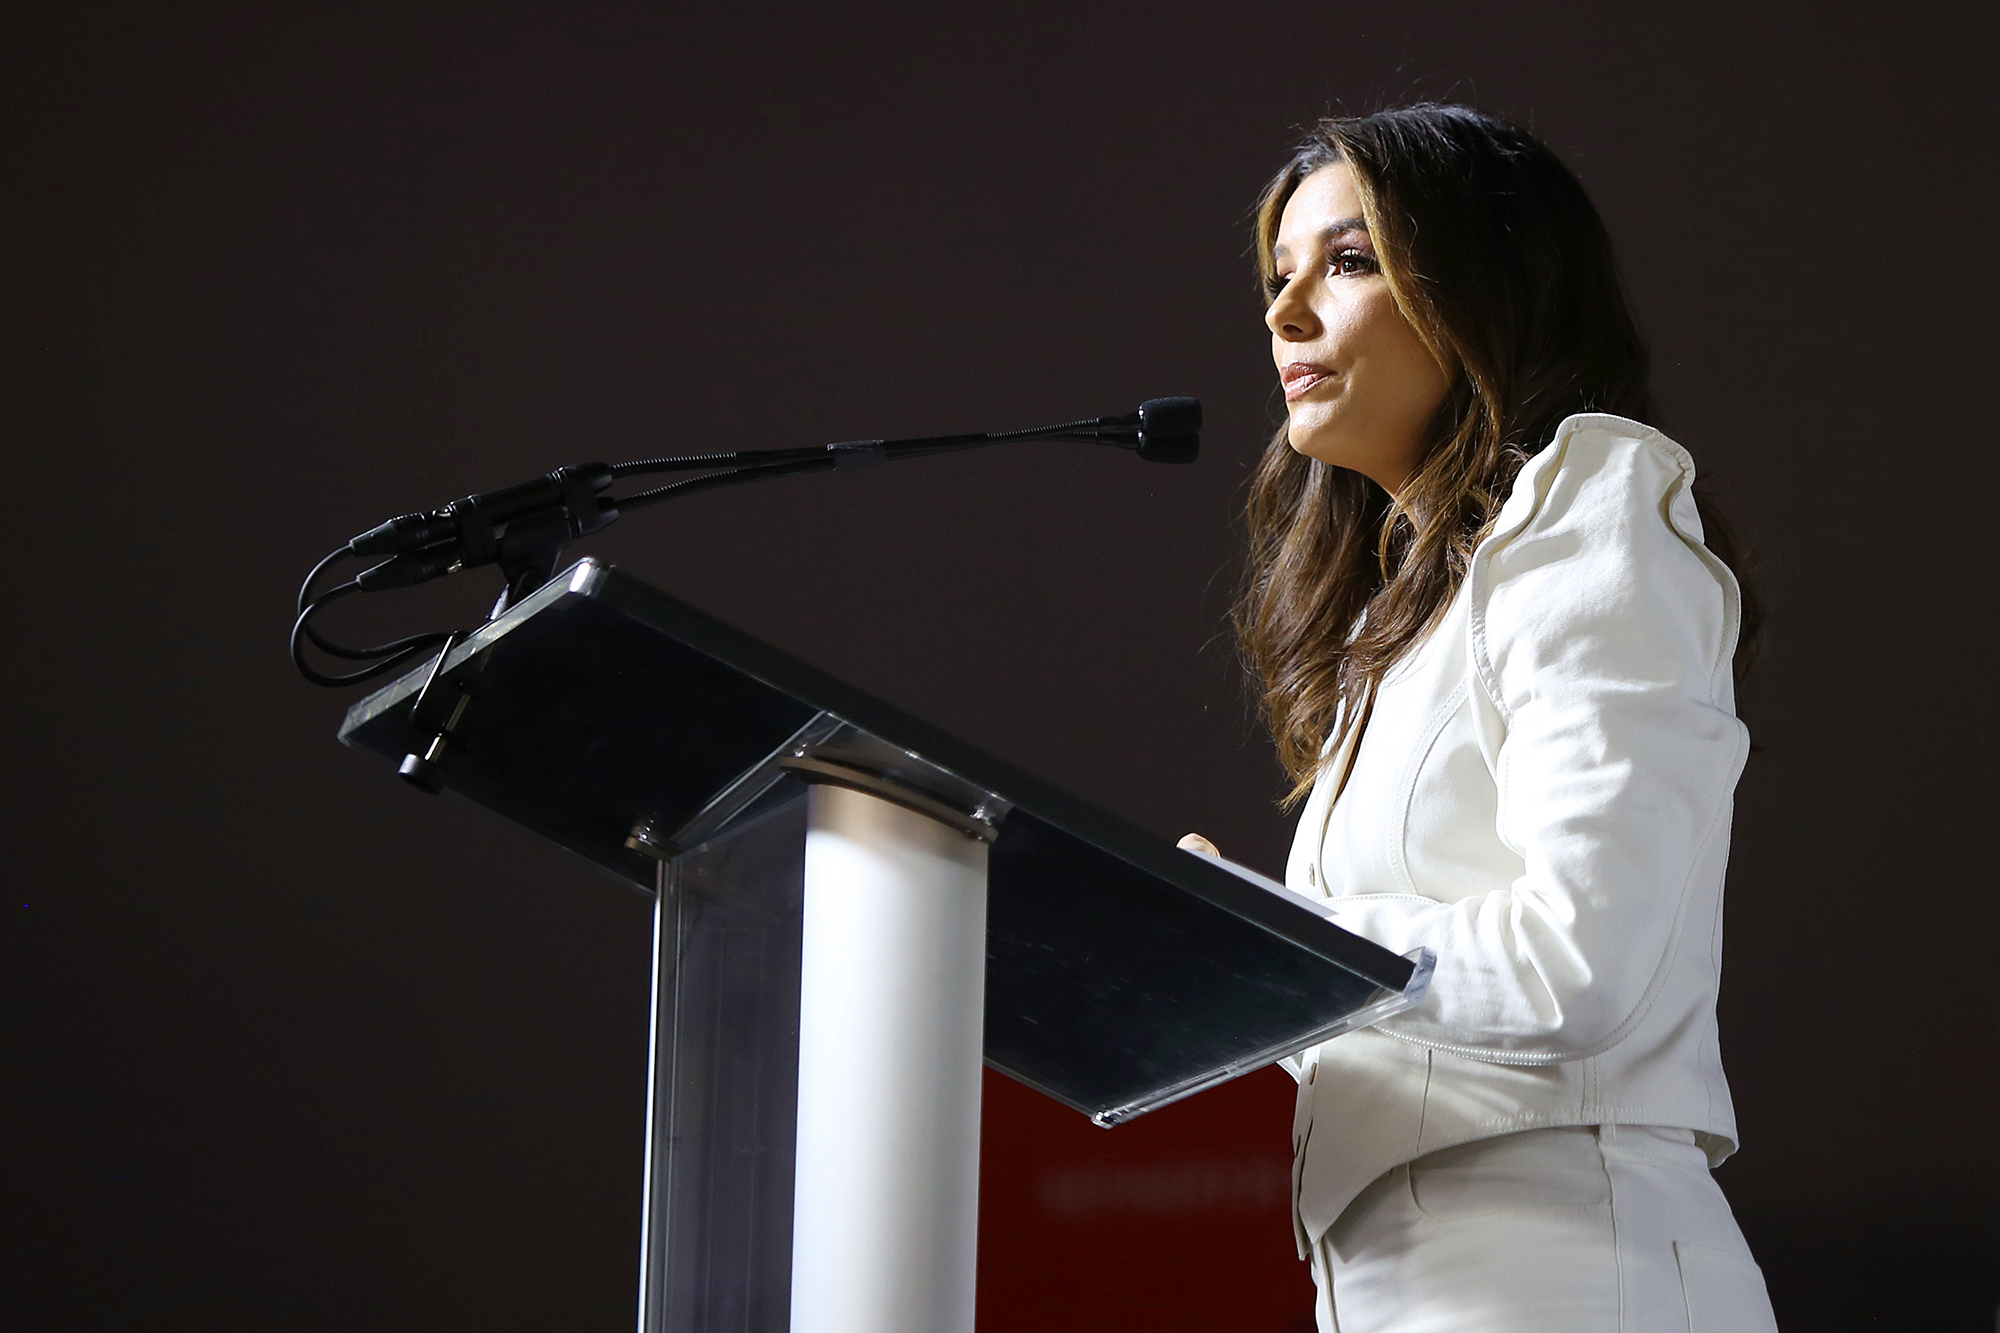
{"x": 1092, "y": 429}
{"x": 380, "y": 650}
{"x": 688, "y": 462}
{"x": 1085, "y": 430}
{"x": 341, "y": 650}
{"x": 302, "y": 630}
{"x": 305, "y": 589}
{"x": 788, "y": 462}
{"x": 822, "y": 463}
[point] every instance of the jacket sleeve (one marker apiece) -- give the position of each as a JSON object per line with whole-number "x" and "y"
{"x": 1601, "y": 636}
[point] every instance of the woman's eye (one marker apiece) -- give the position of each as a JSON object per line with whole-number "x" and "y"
{"x": 1349, "y": 263}
{"x": 1276, "y": 285}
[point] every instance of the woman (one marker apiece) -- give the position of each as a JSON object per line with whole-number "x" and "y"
{"x": 1496, "y": 654}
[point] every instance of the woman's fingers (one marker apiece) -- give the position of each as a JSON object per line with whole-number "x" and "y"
{"x": 1194, "y": 842}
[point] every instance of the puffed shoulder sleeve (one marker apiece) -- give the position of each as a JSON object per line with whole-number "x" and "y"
{"x": 1601, "y": 635}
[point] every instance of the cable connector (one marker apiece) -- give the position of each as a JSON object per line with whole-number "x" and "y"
{"x": 408, "y": 570}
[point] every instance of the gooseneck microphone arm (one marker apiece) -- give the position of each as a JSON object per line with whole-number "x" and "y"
{"x": 524, "y": 528}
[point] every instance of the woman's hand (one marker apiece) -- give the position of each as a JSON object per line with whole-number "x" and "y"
{"x": 1194, "y": 842}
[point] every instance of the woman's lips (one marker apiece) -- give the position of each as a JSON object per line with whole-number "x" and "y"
{"x": 1300, "y": 377}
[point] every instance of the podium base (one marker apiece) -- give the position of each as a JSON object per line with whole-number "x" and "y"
{"x": 891, "y": 1020}
{"x": 818, "y": 1023}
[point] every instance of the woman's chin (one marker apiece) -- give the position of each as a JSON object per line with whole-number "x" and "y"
{"x": 1355, "y": 450}
{"x": 1321, "y": 445}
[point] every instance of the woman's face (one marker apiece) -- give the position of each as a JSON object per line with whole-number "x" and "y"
{"x": 1360, "y": 387}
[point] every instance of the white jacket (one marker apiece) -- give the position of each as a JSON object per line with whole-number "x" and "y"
{"x": 1543, "y": 797}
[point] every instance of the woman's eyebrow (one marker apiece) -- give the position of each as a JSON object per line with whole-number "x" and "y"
{"x": 1326, "y": 234}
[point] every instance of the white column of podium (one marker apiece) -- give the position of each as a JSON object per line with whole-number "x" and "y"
{"x": 891, "y": 1029}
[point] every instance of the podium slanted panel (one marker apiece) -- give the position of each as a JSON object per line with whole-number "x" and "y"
{"x": 1122, "y": 973}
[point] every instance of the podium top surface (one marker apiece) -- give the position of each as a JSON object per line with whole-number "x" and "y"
{"x": 1122, "y": 972}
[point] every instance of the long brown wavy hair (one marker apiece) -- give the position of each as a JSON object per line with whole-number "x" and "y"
{"x": 1500, "y": 263}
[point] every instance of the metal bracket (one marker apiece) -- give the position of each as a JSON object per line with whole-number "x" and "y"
{"x": 832, "y": 750}
{"x": 974, "y": 823}
{"x": 424, "y": 768}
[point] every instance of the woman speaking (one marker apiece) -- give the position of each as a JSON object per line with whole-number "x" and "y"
{"x": 1496, "y": 634}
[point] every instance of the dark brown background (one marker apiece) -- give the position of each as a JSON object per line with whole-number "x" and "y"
{"x": 294, "y": 1047}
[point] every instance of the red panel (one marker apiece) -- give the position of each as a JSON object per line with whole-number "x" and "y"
{"x": 1179, "y": 1220}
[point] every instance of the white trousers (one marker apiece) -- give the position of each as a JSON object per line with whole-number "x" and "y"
{"x": 1618, "y": 1229}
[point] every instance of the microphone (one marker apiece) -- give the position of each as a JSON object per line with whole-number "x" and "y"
{"x": 524, "y": 528}
{"x": 1169, "y": 430}
{"x": 484, "y": 529}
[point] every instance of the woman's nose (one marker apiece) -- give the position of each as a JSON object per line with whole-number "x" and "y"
{"x": 1290, "y": 317}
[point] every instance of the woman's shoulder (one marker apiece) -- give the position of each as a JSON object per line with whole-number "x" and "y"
{"x": 1598, "y": 552}
{"x": 1597, "y": 470}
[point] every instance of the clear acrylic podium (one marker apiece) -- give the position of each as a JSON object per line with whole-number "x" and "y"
{"x": 852, "y": 911}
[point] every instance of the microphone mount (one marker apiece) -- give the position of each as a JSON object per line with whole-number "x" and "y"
{"x": 525, "y": 528}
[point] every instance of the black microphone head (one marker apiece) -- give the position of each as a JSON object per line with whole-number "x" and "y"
{"x": 1170, "y": 430}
